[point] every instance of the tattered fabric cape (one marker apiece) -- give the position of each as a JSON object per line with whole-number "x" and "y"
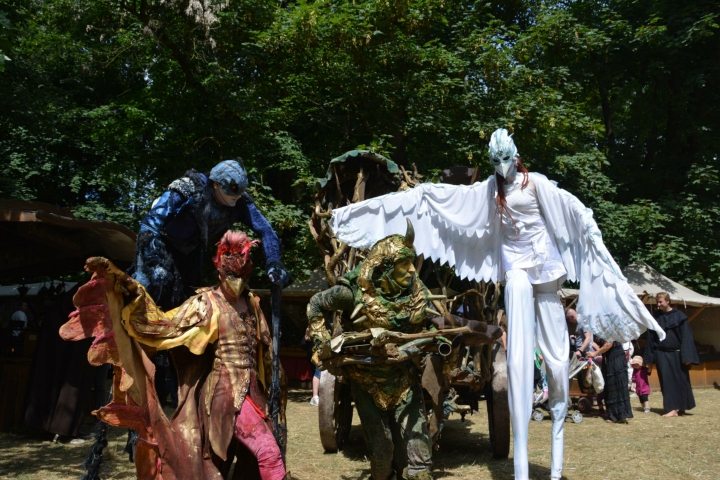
{"x": 460, "y": 225}
{"x": 128, "y": 328}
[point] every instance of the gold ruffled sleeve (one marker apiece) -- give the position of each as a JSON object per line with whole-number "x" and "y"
{"x": 194, "y": 324}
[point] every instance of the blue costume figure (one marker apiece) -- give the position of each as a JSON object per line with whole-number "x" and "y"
{"x": 193, "y": 213}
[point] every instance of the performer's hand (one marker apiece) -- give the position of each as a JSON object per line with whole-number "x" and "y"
{"x": 278, "y": 274}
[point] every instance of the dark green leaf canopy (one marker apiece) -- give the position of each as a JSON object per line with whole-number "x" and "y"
{"x": 105, "y": 103}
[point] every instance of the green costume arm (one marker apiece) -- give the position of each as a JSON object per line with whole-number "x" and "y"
{"x": 338, "y": 297}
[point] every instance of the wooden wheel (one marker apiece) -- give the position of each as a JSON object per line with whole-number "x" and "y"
{"x": 335, "y": 412}
{"x": 496, "y": 396}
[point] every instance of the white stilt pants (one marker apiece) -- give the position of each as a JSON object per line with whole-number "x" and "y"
{"x": 535, "y": 309}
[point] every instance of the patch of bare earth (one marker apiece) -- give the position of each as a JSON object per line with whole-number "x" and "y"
{"x": 649, "y": 447}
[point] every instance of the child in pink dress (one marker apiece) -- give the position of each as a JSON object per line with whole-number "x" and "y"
{"x": 640, "y": 383}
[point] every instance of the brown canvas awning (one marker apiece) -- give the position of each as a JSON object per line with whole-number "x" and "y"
{"x": 38, "y": 239}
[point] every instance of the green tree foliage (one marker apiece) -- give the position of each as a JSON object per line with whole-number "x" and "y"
{"x": 105, "y": 102}
{"x": 5, "y": 45}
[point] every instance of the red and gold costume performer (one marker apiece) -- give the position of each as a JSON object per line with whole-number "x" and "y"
{"x": 221, "y": 346}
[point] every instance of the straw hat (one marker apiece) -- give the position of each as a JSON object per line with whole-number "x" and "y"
{"x": 637, "y": 359}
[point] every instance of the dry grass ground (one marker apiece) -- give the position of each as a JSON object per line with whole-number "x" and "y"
{"x": 649, "y": 447}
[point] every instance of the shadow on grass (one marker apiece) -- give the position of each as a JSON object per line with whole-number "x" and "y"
{"x": 27, "y": 450}
{"x": 458, "y": 447}
{"x": 662, "y": 411}
{"x": 299, "y": 396}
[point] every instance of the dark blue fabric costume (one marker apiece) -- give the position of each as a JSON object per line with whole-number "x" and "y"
{"x": 183, "y": 220}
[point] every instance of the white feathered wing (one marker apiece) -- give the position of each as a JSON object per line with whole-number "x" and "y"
{"x": 607, "y": 305}
{"x": 454, "y": 224}
{"x": 459, "y": 225}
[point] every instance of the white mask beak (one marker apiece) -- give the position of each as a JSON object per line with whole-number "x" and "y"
{"x": 503, "y": 154}
{"x": 508, "y": 169}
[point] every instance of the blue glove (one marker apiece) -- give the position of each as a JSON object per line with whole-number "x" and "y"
{"x": 278, "y": 274}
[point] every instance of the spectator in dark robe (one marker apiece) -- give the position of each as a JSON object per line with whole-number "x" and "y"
{"x": 617, "y": 391}
{"x": 672, "y": 356}
{"x": 61, "y": 378}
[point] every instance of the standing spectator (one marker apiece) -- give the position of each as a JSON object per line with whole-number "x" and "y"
{"x": 672, "y": 356}
{"x": 583, "y": 339}
{"x": 61, "y": 378}
{"x": 640, "y": 383}
{"x": 629, "y": 350}
{"x": 541, "y": 384}
{"x": 307, "y": 345}
{"x": 503, "y": 324}
{"x": 20, "y": 316}
{"x": 614, "y": 370}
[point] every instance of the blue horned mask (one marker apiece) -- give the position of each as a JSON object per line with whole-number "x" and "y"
{"x": 230, "y": 176}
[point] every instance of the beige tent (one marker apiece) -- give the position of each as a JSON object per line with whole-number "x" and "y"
{"x": 645, "y": 280}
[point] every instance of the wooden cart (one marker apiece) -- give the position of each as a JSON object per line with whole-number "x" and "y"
{"x": 481, "y": 371}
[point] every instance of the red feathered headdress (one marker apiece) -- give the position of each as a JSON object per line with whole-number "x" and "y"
{"x": 233, "y": 254}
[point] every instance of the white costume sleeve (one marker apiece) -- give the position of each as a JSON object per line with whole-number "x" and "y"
{"x": 607, "y": 306}
{"x": 454, "y": 224}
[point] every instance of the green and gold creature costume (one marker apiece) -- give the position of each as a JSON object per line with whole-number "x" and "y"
{"x": 388, "y": 397}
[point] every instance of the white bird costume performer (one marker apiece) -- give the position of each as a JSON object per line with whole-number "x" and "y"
{"x": 533, "y": 236}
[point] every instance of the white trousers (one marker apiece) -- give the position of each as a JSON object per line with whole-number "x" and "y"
{"x": 535, "y": 310}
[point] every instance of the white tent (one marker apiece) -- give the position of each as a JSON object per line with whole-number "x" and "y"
{"x": 646, "y": 282}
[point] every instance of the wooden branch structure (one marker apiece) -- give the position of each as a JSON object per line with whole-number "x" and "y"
{"x": 351, "y": 178}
